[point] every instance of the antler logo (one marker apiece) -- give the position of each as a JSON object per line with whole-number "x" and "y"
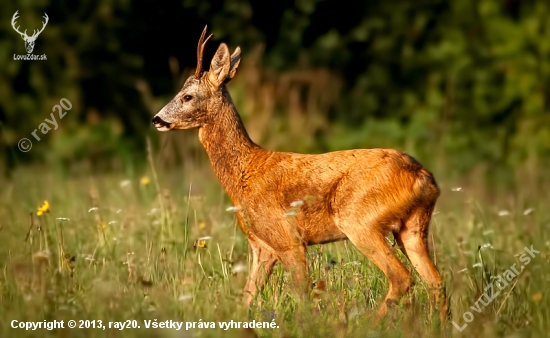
{"x": 29, "y": 40}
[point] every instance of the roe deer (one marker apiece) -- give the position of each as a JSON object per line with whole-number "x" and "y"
{"x": 360, "y": 195}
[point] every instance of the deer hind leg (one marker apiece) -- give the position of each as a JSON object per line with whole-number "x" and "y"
{"x": 372, "y": 243}
{"x": 263, "y": 262}
{"x": 412, "y": 238}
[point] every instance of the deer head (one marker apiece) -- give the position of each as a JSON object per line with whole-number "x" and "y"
{"x": 29, "y": 40}
{"x": 203, "y": 93}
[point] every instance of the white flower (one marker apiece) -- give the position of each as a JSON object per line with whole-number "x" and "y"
{"x": 503, "y": 213}
{"x": 528, "y": 211}
{"x": 486, "y": 245}
{"x": 93, "y": 209}
{"x": 297, "y": 203}
{"x": 239, "y": 268}
{"x": 125, "y": 183}
{"x": 232, "y": 209}
{"x": 185, "y": 297}
{"x": 456, "y": 189}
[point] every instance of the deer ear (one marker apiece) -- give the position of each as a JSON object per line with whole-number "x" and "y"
{"x": 235, "y": 60}
{"x": 220, "y": 66}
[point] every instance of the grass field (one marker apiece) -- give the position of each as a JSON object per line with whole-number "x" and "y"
{"x": 114, "y": 248}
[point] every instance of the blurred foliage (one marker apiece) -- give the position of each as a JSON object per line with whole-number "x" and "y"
{"x": 460, "y": 84}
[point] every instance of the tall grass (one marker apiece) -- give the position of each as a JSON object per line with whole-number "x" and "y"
{"x": 116, "y": 248}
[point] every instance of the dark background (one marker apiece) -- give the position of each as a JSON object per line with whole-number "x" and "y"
{"x": 463, "y": 85}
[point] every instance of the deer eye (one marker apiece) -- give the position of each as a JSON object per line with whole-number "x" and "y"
{"x": 187, "y": 98}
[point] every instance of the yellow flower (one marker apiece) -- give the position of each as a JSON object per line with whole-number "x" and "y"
{"x": 44, "y": 208}
{"x": 200, "y": 243}
{"x": 202, "y": 225}
{"x": 536, "y": 297}
{"x": 144, "y": 180}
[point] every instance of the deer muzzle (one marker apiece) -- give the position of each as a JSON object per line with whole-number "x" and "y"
{"x": 160, "y": 124}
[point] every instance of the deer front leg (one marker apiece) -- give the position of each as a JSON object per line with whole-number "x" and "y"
{"x": 263, "y": 262}
{"x": 294, "y": 261}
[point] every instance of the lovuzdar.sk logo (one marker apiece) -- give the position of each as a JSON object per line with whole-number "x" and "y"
{"x": 29, "y": 40}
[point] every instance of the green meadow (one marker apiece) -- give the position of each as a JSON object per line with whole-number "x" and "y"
{"x": 162, "y": 246}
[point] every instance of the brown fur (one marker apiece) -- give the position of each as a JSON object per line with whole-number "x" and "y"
{"x": 360, "y": 195}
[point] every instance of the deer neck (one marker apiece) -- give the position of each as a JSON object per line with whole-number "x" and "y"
{"x": 228, "y": 146}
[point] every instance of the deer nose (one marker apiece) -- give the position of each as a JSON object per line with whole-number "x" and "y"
{"x": 158, "y": 120}
{"x": 160, "y": 124}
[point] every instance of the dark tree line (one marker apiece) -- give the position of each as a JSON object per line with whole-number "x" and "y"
{"x": 467, "y": 81}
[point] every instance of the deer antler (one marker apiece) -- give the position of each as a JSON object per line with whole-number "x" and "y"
{"x": 43, "y": 25}
{"x": 200, "y": 50}
{"x": 35, "y": 34}
{"x": 13, "y": 19}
